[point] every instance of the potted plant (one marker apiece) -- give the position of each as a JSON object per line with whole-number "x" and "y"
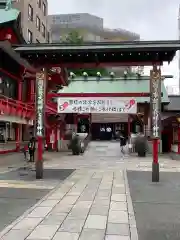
{"x": 75, "y": 145}
{"x": 141, "y": 145}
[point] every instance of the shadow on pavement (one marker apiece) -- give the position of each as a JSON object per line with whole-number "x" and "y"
{"x": 28, "y": 174}
{"x": 156, "y": 205}
{"x": 15, "y": 201}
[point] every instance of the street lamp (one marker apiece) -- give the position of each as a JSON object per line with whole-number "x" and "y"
{"x": 98, "y": 75}
{"x": 85, "y": 75}
{"x": 72, "y": 75}
{"x": 125, "y": 74}
{"x": 112, "y": 75}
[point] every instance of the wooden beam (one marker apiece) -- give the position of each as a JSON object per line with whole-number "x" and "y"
{"x": 61, "y": 95}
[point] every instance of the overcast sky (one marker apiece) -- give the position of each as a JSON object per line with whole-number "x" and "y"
{"x": 152, "y": 19}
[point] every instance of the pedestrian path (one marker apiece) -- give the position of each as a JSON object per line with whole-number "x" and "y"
{"x": 89, "y": 205}
{"x": 93, "y": 203}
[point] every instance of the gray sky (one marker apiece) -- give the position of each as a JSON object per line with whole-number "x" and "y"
{"x": 152, "y": 19}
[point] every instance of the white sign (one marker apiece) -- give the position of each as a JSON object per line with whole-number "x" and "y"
{"x": 97, "y": 105}
{"x": 39, "y": 104}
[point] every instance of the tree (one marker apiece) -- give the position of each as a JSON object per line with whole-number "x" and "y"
{"x": 74, "y": 38}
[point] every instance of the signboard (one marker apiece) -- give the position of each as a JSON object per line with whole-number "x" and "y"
{"x": 155, "y": 101}
{"x": 40, "y": 95}
{"x": 97, "y": 105}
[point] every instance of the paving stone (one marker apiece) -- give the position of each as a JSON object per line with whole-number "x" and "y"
{"x": 49, "y": 203}
{"x": 118, "y": 217}
{"x": 40, "y": 212}
{"x": 96, "y": 222}
{"x": 118, "y": 229}
{"x": 116, "y": 237}
{"x": 43, "y": 232}
{"x": 62, "y": 208}
{"x": 92, "y": 234}
{"x": 101, "y": 201}
{"x": 69, "y": 200}
{"x": 87, "y": 197}
{"x": 74, "y": 193}
{"x": 66, "y": 236}
{"x": 99, "y": 210}
{"x": 79, "y": 213}
{"x": 16, "y": 235}
{"x": 83, "y": 204}
{"x": 56, "y": 196}
{"x": 118, "y": 197}
{"x": 72, "y": 225}
{"x": 118, "y": 190}
{"x": 103, "y": 194}
{"x": 118, "y": 206}
{"x": 28, "y": 223}
{"x": 54, "y": 219}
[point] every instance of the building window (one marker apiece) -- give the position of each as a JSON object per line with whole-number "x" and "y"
{"x": 38, "y": 23}
{"x": 44, "y": 9}
{"x": 30, "y": 36}
{"x": 43, "y": 30}
{"x": 30, "y": 12}
{"x": 39, "y": 3}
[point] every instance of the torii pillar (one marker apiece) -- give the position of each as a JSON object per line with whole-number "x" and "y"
{"x": 155, "y": 100}
{"x": 41, "y": 78}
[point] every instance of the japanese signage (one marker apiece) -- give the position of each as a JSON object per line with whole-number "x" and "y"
{"x": 97, "y": 105}
{"x": 40, "y": 85}
{"x": 155, "y": 90}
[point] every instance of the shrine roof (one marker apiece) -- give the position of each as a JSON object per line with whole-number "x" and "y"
{"x": 5, "y": 47}
{"x": 8, "y": 15}
{"x": 117, "y": 85}
{"x": 174, "y": 105}
{"x": 123, "y": 53}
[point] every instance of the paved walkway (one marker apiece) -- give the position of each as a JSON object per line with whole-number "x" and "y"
{"x": 93, "y": 203}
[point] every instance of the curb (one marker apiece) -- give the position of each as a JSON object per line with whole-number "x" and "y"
{"x": 132, "y": 220}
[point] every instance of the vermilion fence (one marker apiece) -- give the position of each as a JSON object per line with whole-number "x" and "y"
{"x": 17, "y": 108}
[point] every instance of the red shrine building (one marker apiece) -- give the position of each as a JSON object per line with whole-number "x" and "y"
{"x": 18, "y": 88}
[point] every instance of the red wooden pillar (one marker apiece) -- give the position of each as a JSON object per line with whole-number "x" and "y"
{"x": 155, "y": 89}
{"x": 32, "y": 91}
{"x": 48, "y": 137}
{"x": 155, "y": 150}
{"x": 90, "y": 122}
{"x": 18, "y": 127}
{"x": 75, "y": 122}
{"x": 55, "y": 139}
{"x": 129, "y": 126}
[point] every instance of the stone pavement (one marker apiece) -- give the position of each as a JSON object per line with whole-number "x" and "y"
{"x": 10, "y": 161}
{"x": 89, "y": 205}
{"x": 93, "y": 203}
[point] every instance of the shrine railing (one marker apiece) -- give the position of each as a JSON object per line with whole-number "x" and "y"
{"x": 14, "y": 107}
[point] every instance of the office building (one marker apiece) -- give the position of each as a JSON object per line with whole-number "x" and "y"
{"x": 90, "y": 27}
{"x": 34, "y": 20}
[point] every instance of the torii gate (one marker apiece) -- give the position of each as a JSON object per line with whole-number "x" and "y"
{"x": 92, "y": 55}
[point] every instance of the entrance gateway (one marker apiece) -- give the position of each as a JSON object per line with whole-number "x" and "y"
{"x": 98, "y": 106}
{"x": 92, "y": 55}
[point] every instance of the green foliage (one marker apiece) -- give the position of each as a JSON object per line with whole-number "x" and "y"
{"x": 74, "y": 38}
